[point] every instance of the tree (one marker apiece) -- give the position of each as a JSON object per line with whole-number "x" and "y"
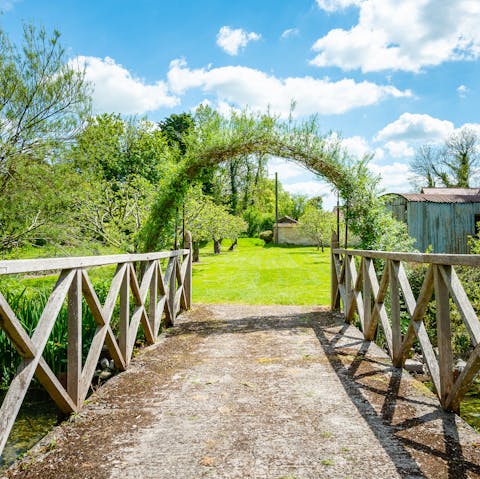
{"x": 452, "y": 165}
{"x": 43, "y": 99}
{"x": 215, "y": 140}
{"x": 175, "y": 128}
{"x": 123, "y": 162}
{"x": 318, "y": 225}
{"x": 208, "y": 221}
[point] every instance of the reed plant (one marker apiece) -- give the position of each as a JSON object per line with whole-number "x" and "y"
{"x": 28, "y": 303}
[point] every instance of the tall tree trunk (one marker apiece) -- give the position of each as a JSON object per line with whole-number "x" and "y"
{"x": 233, "y": 186}
{"x": 234, "y": 245}
{"x": 217, "y": 246}
{"x": 196, "y": 252}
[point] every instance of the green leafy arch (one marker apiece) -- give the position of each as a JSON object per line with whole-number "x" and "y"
{"x": 215, "y": 139}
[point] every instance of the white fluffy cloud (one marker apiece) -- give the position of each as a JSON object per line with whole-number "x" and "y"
{"x": 395, "y": 177}
{"x": 334, "y": 5}
{"x": 247, "y": 87}
{"x": 406, "y": 35}
{"x": 462, "y": 91}
{"x": 415, "y": 127}
{"x": 290, "y": 32}
{"x": 399, "y": 149}
{"x": 231, "y": 40}
{"x": 286, "y": 169}
{"x": 6, "y": 5}
{"x": 117, "y": 90}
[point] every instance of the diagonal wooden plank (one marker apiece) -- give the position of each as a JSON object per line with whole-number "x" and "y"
{"x": 356, "y": 302}
{"x": 19, "y": 385}
{"x": 102, "y": 315}
{"x": 14, "y": 330}
{"x": 367, "y": 295}
{"x": 93, "y": 356}
{"x": 379, "y": 291}
{"x": 419, "y": 309}
{"x": 152, "y": 313}
{"x": 140, "y": 292}
{"x": 394, "y": 267}
{"x": 464, "y": 380}
{"x": 27, "y": 350}
{"x": 464, "y": 306}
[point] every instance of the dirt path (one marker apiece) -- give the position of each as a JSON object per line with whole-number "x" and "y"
{"x": 259, "y": 392}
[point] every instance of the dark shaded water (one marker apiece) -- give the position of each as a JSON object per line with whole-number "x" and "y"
{"x": 37, "y": 417}
{"x": 470, "y": 407}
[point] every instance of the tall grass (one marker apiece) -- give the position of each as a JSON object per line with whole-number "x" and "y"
{"x": 28, "y": 303}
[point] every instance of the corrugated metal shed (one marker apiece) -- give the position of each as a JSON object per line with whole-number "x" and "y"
{"x": 439, "y": 218}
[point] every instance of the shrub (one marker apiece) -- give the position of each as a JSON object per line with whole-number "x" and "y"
{"x": 266, "y": 236}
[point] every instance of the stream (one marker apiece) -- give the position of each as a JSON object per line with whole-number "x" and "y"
{"x": 37, "y": 416}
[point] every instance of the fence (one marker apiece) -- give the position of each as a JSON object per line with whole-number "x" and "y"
{"x": 362, "y": 293}
{"x": 138, "y": 277}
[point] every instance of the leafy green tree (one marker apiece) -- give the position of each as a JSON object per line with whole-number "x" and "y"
{"x": 208, "y": 221}
{"x": 39, "y": 205}
{"x": 318, "y": 225}
{"x": 175, "y": 127}
{"x": 43, "y": 99}
{"x": 123, "y": 162}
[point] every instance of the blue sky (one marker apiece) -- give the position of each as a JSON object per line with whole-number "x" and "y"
{"x": 388, "y": 75}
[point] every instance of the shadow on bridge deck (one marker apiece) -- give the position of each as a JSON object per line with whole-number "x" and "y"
{"x": 261, "y": 392}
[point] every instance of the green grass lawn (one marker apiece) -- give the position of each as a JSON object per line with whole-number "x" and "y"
{"x": 258, "y": 274}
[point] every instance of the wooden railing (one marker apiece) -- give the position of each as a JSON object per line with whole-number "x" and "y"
{"x": 167, "y": 291}
{"x": 360, "y": 292}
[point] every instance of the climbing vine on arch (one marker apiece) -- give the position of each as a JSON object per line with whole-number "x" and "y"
{"x": 215, "y": 139}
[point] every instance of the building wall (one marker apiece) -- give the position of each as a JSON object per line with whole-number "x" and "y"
{"x": 293, "y": 234}
{"x": 444, "y": 226}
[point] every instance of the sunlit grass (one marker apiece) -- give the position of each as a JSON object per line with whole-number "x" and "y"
{"x": 258, "y": 274}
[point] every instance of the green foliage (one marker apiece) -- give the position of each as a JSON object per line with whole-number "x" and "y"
{"x": 318, "y": 225}
{"x": 28, "y": 303}
{"x": 175, "y": 128}
{"x": 37, "y": 205}
{"x": 215, "y": 140}
{"x": 43, "y": 98}
{"x": 122, "y": 164}
{"x": 208, "y": 221}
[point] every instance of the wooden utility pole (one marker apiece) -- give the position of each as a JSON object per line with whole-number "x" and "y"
{"x": 276, "y": 208}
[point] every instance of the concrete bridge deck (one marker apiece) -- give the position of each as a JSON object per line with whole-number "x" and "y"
{"x": 277, "y": 392}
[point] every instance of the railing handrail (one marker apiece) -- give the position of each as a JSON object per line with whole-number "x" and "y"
{"x": 360, "y": 290}
{"x": 426, "y": 258}
{"x": 17, "y": 266}
{"x": 143, "y": 298}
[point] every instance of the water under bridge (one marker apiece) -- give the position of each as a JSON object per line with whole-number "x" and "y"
{"x": 231, "y": 391}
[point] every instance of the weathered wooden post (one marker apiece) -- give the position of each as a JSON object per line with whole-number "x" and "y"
{"x": 74, "y": 344}
{"x": 444, "y": 334}
{"x": 172, "y": 290}
{"x": 335, "y": 297}
{"x": 124, "y": 319}
{"x": 153, "y": 316}
{"x": 188, "y": 274}
{"x": 395, "y": 313}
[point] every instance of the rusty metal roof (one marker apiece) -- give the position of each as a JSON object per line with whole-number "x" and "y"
{"x": 441, "y": 198}
{"x": 452, "y": 191}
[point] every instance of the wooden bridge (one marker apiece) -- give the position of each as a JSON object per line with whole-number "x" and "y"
{"x": 248, "y": 391}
